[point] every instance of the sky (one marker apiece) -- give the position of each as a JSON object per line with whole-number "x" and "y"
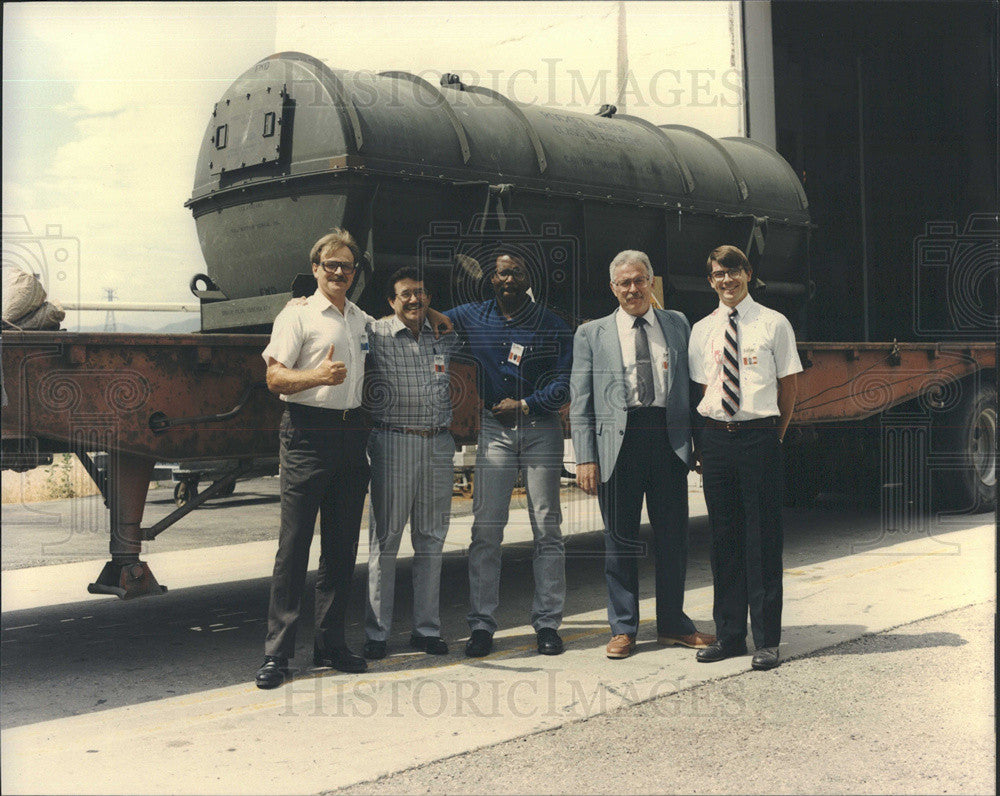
{"x": 105, "y": 105}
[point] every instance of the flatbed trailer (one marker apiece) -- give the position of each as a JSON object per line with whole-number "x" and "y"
{"x": 182, "y": 398}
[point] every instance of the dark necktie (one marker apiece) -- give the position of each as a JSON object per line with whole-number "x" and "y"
{"x": 731, "y": 368}
{"x": 643, "y": 364}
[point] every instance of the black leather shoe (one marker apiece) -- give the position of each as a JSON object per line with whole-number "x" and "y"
{"x": 765, "y": 658}
{"x": 432, "y": 645}
{"x": 341, "y": 659}
{"x": 374, "y": 650}
{"x": 273, "y": 672}
{"x": 549, "y": 642}
{"x": 718, "y": 652}
{"x": 480, "y": 644}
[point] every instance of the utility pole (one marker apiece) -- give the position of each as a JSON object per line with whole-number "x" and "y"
{"x": 622, "y": 59}
{"x": 109, "y": 316}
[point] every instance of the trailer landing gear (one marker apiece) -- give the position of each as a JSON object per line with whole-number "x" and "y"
{"x": 125, "y": 490}
{"x": 126, "y": 581}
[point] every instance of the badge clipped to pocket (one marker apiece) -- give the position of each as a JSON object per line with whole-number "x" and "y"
{"x": 439, "y": 365}
{"x": 364, "y": 342}
{"x": 516, "y": 352}
{"x": 665, "y": 363}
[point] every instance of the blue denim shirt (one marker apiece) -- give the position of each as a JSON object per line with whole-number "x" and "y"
{"x": 541, "y": 378}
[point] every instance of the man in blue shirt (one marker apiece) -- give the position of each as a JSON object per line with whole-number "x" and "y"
{"x": 524, "y": 354}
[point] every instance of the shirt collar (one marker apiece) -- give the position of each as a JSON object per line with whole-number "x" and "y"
{"x": 626, "y": 321}
{"x": 396, "y": 325}
{"x": 321, "y": 303}
{"x": 527, "y": 309}
{"x": 746, "y": 308}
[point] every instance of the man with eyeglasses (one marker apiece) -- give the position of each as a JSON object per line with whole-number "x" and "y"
{"x": 631, "y": 428}
{"x": 408, "y": 390}
{"x": 744, "y": 357}
{"x": 523, "y": 355}
{"x": 316, "y": 363}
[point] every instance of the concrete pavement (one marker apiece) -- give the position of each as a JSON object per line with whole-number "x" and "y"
{"x": 326, "y": 730}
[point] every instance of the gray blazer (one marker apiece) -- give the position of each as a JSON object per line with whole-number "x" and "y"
{"x": 598, "y": 390}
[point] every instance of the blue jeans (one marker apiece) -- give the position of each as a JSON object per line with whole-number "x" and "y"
{"x": 536, "y": 447}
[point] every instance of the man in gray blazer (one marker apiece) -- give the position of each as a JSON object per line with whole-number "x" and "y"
{"x": 631, "y": 428}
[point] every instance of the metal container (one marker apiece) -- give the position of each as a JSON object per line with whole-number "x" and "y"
{"x": 432, "y": 175}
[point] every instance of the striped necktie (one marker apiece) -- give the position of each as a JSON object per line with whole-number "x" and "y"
{"x": 731, "y": 368}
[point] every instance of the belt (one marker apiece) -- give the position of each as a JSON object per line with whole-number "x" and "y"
{"x": 419, "y": 432}
{"x": 733, "y": 426}
{"x": 321, "y": 413}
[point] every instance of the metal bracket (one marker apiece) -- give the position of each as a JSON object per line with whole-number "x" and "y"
{"x": 159, "y": 423}
{"x": 216, "y": 488}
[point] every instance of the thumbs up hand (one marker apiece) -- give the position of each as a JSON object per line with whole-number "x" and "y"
{"x": 330, "y": 371}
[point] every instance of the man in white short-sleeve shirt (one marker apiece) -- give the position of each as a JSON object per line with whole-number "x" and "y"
{"x": 744, "y": 357}
{"x": 316, "y": 363}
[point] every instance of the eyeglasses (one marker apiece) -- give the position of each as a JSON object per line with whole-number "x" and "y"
{"x": 346, "y": 268}
{"x": 639, "y": 281}
{"x": 406, "y": 295}
{"x": 731, "y": 273}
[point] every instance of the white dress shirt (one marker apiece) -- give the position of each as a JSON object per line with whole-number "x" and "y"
{"x": 658, "y": 354}
{"x": 302, "y": 336}
{"x": 767, "y": 353}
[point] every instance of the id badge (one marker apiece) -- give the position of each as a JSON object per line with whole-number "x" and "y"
{"x": 439, "y": 364}
{"x": 665, "y": 363}
{"x": 364, "y": 342}
{"x": 516, "y": 352}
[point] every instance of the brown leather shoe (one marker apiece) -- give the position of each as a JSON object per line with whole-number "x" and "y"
{"x": 696, "y": 640}
{"x": 621, "y": 646}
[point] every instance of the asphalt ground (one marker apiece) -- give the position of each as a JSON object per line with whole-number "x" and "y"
{"x": 910, "y": 710}
{"x": 63, "y": 531}
{"x": 156, "y": 695}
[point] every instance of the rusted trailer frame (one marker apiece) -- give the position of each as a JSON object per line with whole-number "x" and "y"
{"x": 82, "y": 392}
{"x": 145, "y": 398}
{"x": 149, "y": 398}
{"x": 854, "y": 381}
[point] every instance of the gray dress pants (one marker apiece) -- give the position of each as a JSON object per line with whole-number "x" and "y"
{"x": 412, "y": 481}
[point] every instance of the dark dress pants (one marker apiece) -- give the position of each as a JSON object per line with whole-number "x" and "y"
{"x": 646, "y": 467}
{"x": 742, "y": 473}
{"x": 324, "y": 468}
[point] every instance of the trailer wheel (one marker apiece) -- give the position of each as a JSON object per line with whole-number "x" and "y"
{"x": 185, "y": 491}
{"x": 970, "y": 432}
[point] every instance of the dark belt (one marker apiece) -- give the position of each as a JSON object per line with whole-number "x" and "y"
{"x": 733, "y": 426}
{"x": 304, "y": 412}
{"x": 419, "y": 432}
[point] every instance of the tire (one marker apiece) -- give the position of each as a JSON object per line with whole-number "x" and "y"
{"x": 228, "y": 491}
{"x": 185, "y": 491}
{"x": 968, "y": 437}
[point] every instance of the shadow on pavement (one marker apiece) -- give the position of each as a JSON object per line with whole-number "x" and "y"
{"x": 895, "y": 642}
{"x": 86, "y": 657}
